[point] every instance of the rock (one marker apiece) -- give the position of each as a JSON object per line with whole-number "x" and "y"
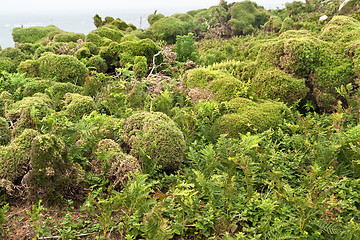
{"x": 322, "y": 19}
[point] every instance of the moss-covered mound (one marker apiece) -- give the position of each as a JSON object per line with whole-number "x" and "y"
{"x": 246, "y": 16}
{"x": 52, "y": 175}
{"x": 275, "y": 84}
{"x": 222, "y": 84}
{"x": 167, "y": 29}
{"x": 154, "y": 137}
{"x": 28, "y": 112}
{"x": 4, "y": 131}
{"x": 63, "y": 68}
{"x": 249, "y": 116}
{"x": 76, "y": 105}
{"x": 15, "y": 157}
{"x": 33, "y": 34}
{"x": 111, "y": 162}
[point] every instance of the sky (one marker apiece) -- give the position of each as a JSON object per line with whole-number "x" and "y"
{"x": 54, "y": 6}
{"x": 76, "y": 15}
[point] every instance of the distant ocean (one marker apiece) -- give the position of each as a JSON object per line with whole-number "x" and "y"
{"x": 82, "y": 22}
{"x": 71, "y": 22}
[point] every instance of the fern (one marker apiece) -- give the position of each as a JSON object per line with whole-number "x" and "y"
{"x": 3, "y": 211}
{"x": 329, "y": 227}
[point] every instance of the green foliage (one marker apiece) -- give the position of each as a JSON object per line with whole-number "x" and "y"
{"x": 63, "y": 68}
{"x": 277, "y": 85}
{"x": 28, "y": 112}
{"x": 68, "y": 37}
{"x": 140, "y": 67}
{"x": 154, "y": 17}
{"x": 7, "y": 65}
{"x": 36, "y": 217}
{"x": 185, "y": 48}
{"x": 221, "y": 83}
{"x": 167, "y": 29}
{"x": 33, "y": 34}
{"x": 76, "y": 106}
{"x": 4, "y": 131}
{"x": 3, "y": 211}
{"x": 52, "y": 174}
{"x": 109, "y": 33}
{"x": 14, "y": 158}
{"x": 246, "y": 16}
{"x": 249, "y": 116}
{"x": 97, "y": 63}
{"x": 154, "y": 139}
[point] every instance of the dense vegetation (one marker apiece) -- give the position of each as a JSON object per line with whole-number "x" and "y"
{"x": 231, "y": 122}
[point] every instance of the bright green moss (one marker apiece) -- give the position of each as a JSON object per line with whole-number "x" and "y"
{"x": 157, "y": 136}
{"x": 5, "y": 100}
{"x": 14, "y": 54}
{"x": 29, "y": 67}
{"x": 76, "y": 105}
{"x": 112, "y": 34}
{"x": 112, "y": 163}
{"x": 14, "y": 158}
{"x": 167, "y": 29}
{"x": 28, "y": 112}
{"x": 287, "y": 25}
{"x": 4, "y": 131}
{"x": 275, "y": 84}
{"x": 130, "y": 38}
{"x": 145, "y": 47}
{"x": 83, "y": 52}
{"x": 140, "y": 67}
{"x": 7, "y": 65}
{"x": 63, "y": 68}
{"x": 250, "y": 116}
{"x": 52, "y": 175}
{"x": 341, "y": 29}
{"x": 222, "y": 84}
{"x": 57, "y": 92}
{"x": 68, "y": 37}
{"x": 152, "y": 18}
{"x": 246, "y": 16}
{"x": 119, "y": 24}
{"x": 98, "y": 64}
{"x": 36, "y": 86}
{"x": 111, "y": 53}
{"x": 33, "y": 34}
{"x": 273, "y": 25}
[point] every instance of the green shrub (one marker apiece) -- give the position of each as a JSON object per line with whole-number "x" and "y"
{"x": 58, "y": 90}
{"x": 83, "y": 52}
{"x": 250, "y": 116}
{"x": 111, "y": 53}
{"x": 36, "y": 86}
{"x": 29, "y": 67}
{"x": 167, "y": 29}
{"x": 341, "y": 29}
{"x": 154, "y": 139}
{"x": 221, "y": 83}
{"x": 14, "y": 158}
{"x": 154, "y": 17}
{"x": 7, "y": 65}
{"x": 140, "y": 67}
{"x": 28, "y": 112}
{"x": 63, "y": 68}
{"x": 112, "y": 163}
{"x": 68, "y": 37}
{"x": 5, "y": 100}
{"x": 246, "y": 16}
{"x": 33, "y": 34}
{"x": 52, "y": 176}
{"x": 76, "y": 106}
{"x": 144, "y": 47}
{"x": 112, "y": 34}
{"x": 287, "y": 24}
{"x": 121, "y": 25}
{"x": 4, "y": 131}
{"x": 273, "y": 83}
{"x": 14, "y": 54}
{"x": 273, "y": 25}
{"x": 185, "y": 48}
{"x": 98, "y": 64}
